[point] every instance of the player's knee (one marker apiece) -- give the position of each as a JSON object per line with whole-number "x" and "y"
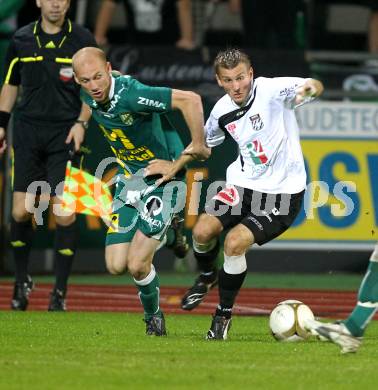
{"x": 115, "y": 269}
{"x": 202, "y": 233}
{"x": 137, "y": 270}
{"x": 234, "y": 245}
{"x": 114, "y": 265}
{"x": 206, "y": 229}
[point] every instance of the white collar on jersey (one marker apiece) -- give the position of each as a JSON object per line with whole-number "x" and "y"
{"x": 112, "y": 86}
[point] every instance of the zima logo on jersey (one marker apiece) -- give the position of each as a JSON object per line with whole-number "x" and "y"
{"x": 149, "y": 102}
{"x": 127, "y": 118}
{"x": 257, "y": 153}
{"x": 257, "y": 123}
{"x": 229, "y": 195}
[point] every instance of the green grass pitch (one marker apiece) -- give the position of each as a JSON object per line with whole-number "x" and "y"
{"x": 40, "y": 350}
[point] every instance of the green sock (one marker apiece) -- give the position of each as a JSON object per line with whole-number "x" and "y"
{"x": 367, "y": 302}
{"x": 149, "y": 294}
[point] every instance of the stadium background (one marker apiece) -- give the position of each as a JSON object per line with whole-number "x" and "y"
{"x": 100, "y": 343}
{"x": 339, "y": 138}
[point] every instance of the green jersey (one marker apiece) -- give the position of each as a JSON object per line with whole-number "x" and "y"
{"x": 131, "y": 122}
{"x": 174, "y": 142}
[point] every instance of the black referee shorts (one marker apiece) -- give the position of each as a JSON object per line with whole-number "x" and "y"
{"x": 40, "y": 154}
{"x": 266, "y": 215}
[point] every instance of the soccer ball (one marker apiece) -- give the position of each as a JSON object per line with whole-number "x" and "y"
{"x": 287, "y": 321}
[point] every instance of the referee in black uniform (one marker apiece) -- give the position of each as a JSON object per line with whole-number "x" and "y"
{"x": 51, "y": 121}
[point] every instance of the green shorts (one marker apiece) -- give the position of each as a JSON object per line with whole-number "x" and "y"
{"x": 150, "y": 211}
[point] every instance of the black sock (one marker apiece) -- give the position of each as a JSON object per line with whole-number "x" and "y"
{"x": 206, "y": 261}
{"x": 229, "y": 286}
{"x": 65, "y": 247}
{"x": 21, "y": 240}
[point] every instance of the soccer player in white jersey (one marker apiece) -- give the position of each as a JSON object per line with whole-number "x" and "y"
{"x": 264, "y": 185}
{"x": 348, "y": 333}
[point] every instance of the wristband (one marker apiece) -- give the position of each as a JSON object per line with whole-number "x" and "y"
{"x": 85, "y": 124}
{"x": 4, "y": 119}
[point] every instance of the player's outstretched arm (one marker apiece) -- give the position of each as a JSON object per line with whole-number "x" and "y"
{"x": 190, "y": 104}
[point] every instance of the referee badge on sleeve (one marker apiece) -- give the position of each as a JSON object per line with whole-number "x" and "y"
{"x": 66, "y": 74}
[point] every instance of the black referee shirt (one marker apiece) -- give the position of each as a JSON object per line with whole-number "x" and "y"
{"x": 42, "y": 65}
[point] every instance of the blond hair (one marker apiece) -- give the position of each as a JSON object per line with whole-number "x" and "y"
{"x": 230, "y": 58}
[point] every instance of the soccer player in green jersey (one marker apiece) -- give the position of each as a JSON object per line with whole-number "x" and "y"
{"x": 128, "y": 113}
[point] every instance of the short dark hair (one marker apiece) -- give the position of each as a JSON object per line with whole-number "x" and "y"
{"x": 230, "y": 58}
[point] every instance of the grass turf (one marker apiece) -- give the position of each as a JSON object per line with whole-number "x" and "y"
{"x": 110, "y": 351}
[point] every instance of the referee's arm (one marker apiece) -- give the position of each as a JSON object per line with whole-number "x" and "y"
{"x": 9, "y": 91}
{"x": 7, "y": 101}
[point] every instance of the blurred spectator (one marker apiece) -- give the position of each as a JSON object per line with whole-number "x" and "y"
{"x": 271, "y": 24}
{"x": 345, "y": 25}
{"x": 150, "y": 22}
{"x": 217, "y": 22}
{"x": 8, "y": 25}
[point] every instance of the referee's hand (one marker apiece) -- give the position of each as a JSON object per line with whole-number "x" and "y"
{"x": 3, "y": 142}
{"x": 76, "y": 135}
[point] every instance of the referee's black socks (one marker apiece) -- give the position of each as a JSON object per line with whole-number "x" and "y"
{"x": 65, "y": 248}
{"x": 21, "y": 240}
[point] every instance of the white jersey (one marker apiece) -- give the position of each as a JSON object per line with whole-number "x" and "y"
{"x": 267, "y": 133}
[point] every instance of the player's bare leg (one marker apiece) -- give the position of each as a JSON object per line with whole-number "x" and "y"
{"x": 116, "y": 258}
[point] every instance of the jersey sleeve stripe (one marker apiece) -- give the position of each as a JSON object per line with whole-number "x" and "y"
{"x": 9, "y": 73}
{"x": 31, "y": 59}
{"x": 63, "y": 60}
{"x": 14, "y": 62}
